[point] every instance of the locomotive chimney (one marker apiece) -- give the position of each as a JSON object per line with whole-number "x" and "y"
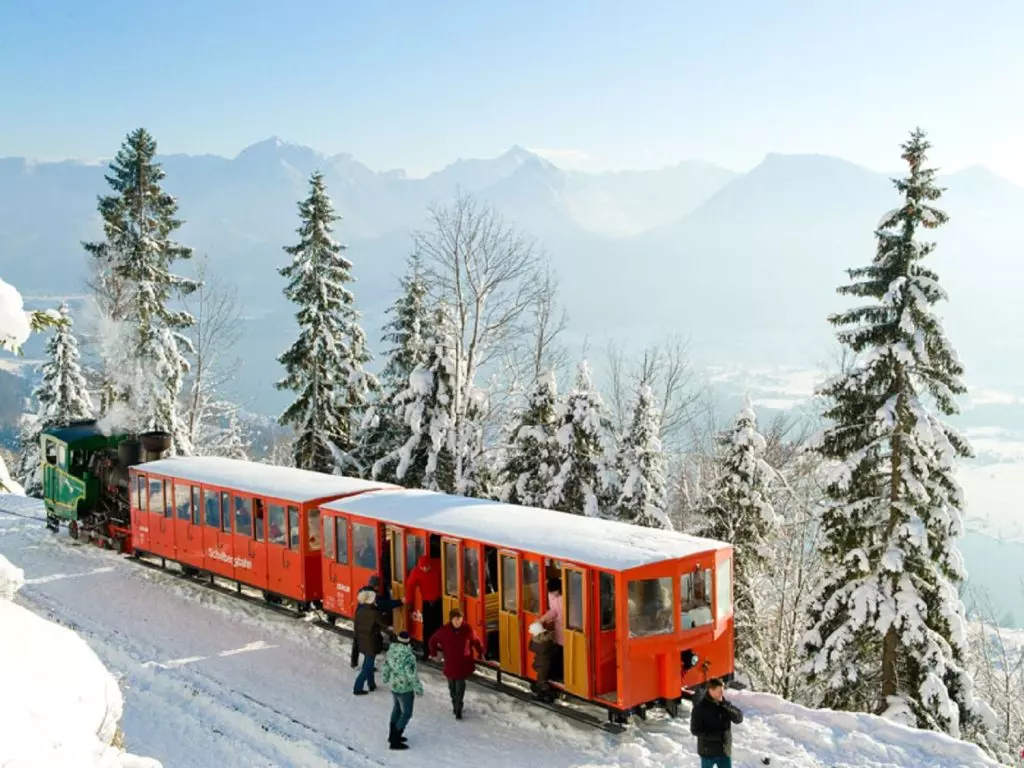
{"x": 129, "y": 452}
{"x": 154, "y": 444}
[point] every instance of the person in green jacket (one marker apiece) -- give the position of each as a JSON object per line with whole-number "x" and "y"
{"x": 399, "y": 671}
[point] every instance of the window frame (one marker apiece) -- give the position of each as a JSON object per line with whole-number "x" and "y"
{"x": 530, "y": 600}
{"x": 468, "y": 553}
{"x": 567, "y": 588}
{"x": 329, "y": 539}
{"x": 356, "y": 534}
{"x": 294, "y": 520}
{"x": 239, "y": 504}
{"x": 451, "y": 579}
{"x": 209, "y": 494}
{"x": 155, "y": 482}
{"x": 226, "y": 505}
{"x": 341, "y": 556}
{"x": 197, "y": 495}
{"x": 282, "y": 524}
{"x": 186, "y": 491}
{"x": 605, "y": 577}
{"x": 659, "y": 582}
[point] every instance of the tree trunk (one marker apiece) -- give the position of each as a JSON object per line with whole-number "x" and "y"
{"x": 890, "y": 643}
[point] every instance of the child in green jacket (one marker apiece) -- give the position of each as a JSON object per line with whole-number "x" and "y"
{"x": 399, "y": 671}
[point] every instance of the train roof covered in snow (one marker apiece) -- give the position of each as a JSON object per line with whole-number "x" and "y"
{"x": 299, "y": 485}
{"x": 586, "y": 540}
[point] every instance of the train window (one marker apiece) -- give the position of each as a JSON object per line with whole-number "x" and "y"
{"x": 414, "y": 549}
{"x": 62, "y": 456}
{"x": 225, "y": 512}
{"x": 606, "y": 585}
{"x": 51, "y": 452}
{"x": 260, "y": 519}
{"x": 364, "y": 546}
{"x": 156, "y": 496}
{"x": 278, "y": 526}
{"x": 397, "y": 574}
{"x": 471, "y": 571}
{"x": 341, "y": 526}
{"x": 197, "y": 505}
{"x": 183, "y": 501}
{"x": 243, "y": 516}
{"x": 651, "y": 607}
{"x": 293, "y": 528}
{"x": 531, "y": 586}
{"x": 695, "y": 598}
{"x": 574, "y": 600}
{"x": 509, "y": 594}
{"x": 723, "y": 589}
{"x": 140, "y": 492}
{"x": 451, "y": 569}
{"x": 212, "y": 502}
{"x": 313, "y": 521}
{"x": 329, "y": 539}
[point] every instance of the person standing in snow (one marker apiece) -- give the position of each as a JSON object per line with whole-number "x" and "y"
{"x": 711, "y": 722}
{"x": 383, "y": 603}
{"x": 555, "y": 618}
{"x": 458, "y": 643}
{"x": 401, "y": 674}
{"x": 369, "y": 640}
{"x": 426, "y": 577}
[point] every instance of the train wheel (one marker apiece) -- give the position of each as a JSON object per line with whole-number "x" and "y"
{"x": 73, "y": 529}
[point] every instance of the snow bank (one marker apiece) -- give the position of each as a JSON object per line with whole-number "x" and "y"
{"x": 59, "y": 706}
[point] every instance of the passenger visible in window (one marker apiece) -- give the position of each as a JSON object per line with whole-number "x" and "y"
{"x": 365, "y": 556}
{"x": 542, "y": 644}
{"x": 555, "y": 618}
{"x": 426, "y": 577}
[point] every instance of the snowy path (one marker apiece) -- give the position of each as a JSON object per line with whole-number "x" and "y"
{"x": 213, "y": 681}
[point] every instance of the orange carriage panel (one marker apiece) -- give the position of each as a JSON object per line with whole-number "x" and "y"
{"x": 219, "y": 541}
{"x": 161, "y": 525}
{"x": 605, "y": 655}
{"x": 250, "y": 562}
{"x": 188, "y": 535}
{"x": 285, "y": 575}
{"x": 336, "y": 569}
{"x": 140, "y": 511}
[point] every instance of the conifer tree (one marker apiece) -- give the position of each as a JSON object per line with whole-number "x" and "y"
{"x": 533, "y": 457}
{"x": 62, "y": 397}
{"x": 324, "y": 367}
{"x": 143, "y": 348}
{"x": 426, "y": 457}
{"x": 887, "y": 629}
{"x": 640, "y": 467}
{"x": 585, "y": 479}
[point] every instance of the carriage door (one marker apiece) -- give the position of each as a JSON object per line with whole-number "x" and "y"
{"x": 576, "y": 650}
{"x": 277, "y": 546}
{"x": 396, "y": 577}
{"x": 188, "y": 544}
{"x": 450, "y": 572}
{"x": 510, "y": 634}
{"x": 473, "y": 608}
{"x": 415, "y": 547}
{"x": 337, "y": 574}
{"x": 243, "y": 541}
{"x": 161, "y": 534}
{"x": 529, "y": 603}
{"x": 365, "y": 546}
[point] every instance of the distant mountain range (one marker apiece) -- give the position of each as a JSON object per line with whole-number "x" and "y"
{"x": 746, "y": 264}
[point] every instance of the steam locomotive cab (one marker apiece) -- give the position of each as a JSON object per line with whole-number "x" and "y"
{"x": 85, "y": 479}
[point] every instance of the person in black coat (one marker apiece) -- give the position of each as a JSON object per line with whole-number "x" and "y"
{"x": 369, "y": 628}
{"x": 384, "y": 603}
{"x": 711, "y": 722}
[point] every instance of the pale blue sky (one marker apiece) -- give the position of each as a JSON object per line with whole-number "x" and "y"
{"x": 600, "y": 84}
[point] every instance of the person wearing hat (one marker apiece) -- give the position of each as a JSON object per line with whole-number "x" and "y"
{"x": 401, "y": 674}
{"x": 369, "y": 639}
{"x": 542, "y": 644}
{"x": 459, "y": 645}
{"x": 383, "y": 603}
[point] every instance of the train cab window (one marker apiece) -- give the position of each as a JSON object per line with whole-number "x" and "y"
{"x": 471, "y": 571}
{"x": 62, "y": 456}
{"x": 77, "y": 463}
{"x": 225, "y": 512}
{"x": 313, "y": 521}
{"x": 211, "y": 500}
{"x": 606, "y": 586}
{"x": 294, "y": 531}
{"x": 183, "y": 501}
{"x": 259, "y": 519}
{"x": 278, "y": 525}
{"x": 51, "y": 452}
{"x": 723, "y": 589}
{"x": 651, "y": 607}
{"x": 156, "y": 496}
{"x": 509, "y": 594}
{"x": 414, "y": 549}
{"x": 243, "y": 516}
{"x": 139, "y": 492}
{"x": 197, "y": 505}
{"x": 574, "y": 600}
{"x": 451, "y": 570}
{"x": 329, "y": 540}
{"x": 695, "y": 598}
{"x": 341, "y": 531}
{"x": 531, "y": 586}
{"x": 364, "y": 546}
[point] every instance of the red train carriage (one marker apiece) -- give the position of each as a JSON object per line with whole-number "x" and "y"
{"x": 648, "y": 614}
{"x": 255, "y": 524}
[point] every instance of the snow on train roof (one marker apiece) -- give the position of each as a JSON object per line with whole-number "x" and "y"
{"x": 299, "y": 485}
{"x": 586, "y": 540}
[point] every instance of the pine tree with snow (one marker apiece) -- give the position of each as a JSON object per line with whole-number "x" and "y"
{"x": 231, "y": 442}
{"x": 62, "y": 397}
{"x": 533, "y": 457}
{"x": 887, "y": 631}
{"x": 640, "y": 467}
{"x": 143, "y": 348}
{"x": 738, "y": 509}
{"x": 585, "y": 479}
{"x": 324, "y": 367}
{"x": 426, "y": 456}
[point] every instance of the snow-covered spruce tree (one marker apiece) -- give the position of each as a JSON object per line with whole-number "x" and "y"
{"x": 640, "y": 469}
{"x": 408, "y": 329}
{"x": 230, "y": 440}
{"x": 62, "y": 397}
{"x": 143, "y": 348}
{"x": 533, "y": 457}
{"x": 738, "y": 509}
{"x": 585, "y": 480}
{"x": 887, "y": 632}
{"x": 426, "y": 457}
{"x": 324, "y": 367}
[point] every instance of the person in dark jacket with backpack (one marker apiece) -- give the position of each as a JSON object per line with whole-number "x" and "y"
{"x": 369, "y": 627}
{"x": 460, "y": 646}
{"x": 711, "y": 722}
{"x": 385, "y": 604}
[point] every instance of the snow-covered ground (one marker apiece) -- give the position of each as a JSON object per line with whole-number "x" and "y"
{"x": 212, "y": 681}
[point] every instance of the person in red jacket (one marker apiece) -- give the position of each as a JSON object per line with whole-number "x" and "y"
{"x": 426, "y": 577}
{"x": 459, "y": 645}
